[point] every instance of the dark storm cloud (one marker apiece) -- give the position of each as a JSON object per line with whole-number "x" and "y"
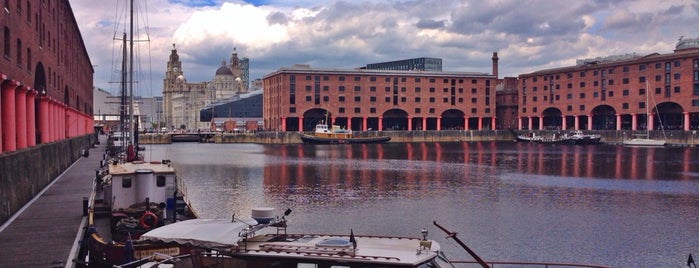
{"x": 277, "y": 18}
{"x": 674, "y": 10}
{"x": 523, "y": 18}
{"x": 430, "y": 24}
{"x": 622, "y": 21}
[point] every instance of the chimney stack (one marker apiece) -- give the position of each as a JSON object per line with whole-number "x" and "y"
{"x": 495, "y": 64}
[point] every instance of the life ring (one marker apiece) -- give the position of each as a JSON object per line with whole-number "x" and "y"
{"x": 148, "y": 220}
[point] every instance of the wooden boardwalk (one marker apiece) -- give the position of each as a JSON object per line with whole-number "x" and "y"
{"x": 45, "y": 232}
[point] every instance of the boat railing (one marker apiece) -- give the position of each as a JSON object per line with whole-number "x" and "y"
{"x": 182, "y": 189}
{"x": 478, "y": 261}
{"x": 494, "y": 264}
{"x": 154, "y": 260}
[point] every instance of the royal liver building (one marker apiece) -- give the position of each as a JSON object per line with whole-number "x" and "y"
{"x": 183, "y": 100}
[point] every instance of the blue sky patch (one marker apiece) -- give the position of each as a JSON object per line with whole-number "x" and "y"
{"x": 195, "y": 3}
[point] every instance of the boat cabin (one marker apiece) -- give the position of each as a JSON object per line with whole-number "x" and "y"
{"x": 138, "y": 181}
{"x": 337, "y": 132}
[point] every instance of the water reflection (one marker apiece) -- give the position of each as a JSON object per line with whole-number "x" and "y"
{"x": 611, "y": 205}
{"x": 426, "y": 161}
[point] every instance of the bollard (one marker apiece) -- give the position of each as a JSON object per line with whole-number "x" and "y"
{"x": 84, "y": 206}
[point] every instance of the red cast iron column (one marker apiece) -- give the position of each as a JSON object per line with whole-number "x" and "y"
{"x": 31, "y": 118}
{"x": 44, "y": 129}
{"x": 9, "y": 122}
{"x": 3, "y": 77}
{"x": 21, "y": 114}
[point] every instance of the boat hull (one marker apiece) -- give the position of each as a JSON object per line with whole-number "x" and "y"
{"x": 581, "y": 141}
{"x": 117, "y": 253}
{"x": 308, "y": 139}
{"x": 644, "y": 142}
{"x": 528, "y": 139}
{"x": 562, "y": 140}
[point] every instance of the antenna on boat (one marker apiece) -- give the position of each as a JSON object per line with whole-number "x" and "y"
{"x": 425, "y": 245}
{"x": 353, "y": 241}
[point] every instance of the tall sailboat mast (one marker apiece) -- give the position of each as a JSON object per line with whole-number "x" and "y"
{"x": 122, "y": 100}
{"x": 131, "y": 112}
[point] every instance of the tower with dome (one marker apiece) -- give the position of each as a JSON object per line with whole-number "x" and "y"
{"x": 182, "y": 100}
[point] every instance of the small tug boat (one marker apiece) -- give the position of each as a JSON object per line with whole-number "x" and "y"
{"x": 323, "y": 134}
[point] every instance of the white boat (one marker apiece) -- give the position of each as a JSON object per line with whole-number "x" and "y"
{"x": 575, "y": 137}
{"x": 262, "y": 241}
{"x": 644, "y": 139}
{"x": 579, "y": 137}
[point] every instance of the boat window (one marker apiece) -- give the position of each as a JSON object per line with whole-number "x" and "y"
{"x": 442, "y": 261}
{"x": 306, "y": 265}
{"x": 160, "y": 181}
{"x": 334, "y": 243}
{"x": 126, "y": 182}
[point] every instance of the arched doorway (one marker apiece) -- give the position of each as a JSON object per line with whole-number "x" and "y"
{"x": 452, "y": 119}
{"x": 314, "y": 116}
{"x": 552, "y": 118}
{"x": 669, "y": 115}
{"x": 395, "y": 119}
{"x": 603, "y": 118}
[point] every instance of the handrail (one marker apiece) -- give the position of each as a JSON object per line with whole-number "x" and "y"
{"x": 489, "y": 264}
{"x": 463, "y": 245}
{"x": 164, "y": 258}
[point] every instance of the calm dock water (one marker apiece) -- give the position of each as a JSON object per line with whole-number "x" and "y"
{"x": 604, "y": 204}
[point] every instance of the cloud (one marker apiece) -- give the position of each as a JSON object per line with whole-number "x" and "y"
{"x": 430, "y": 24}
{"x": 527, "y": 34}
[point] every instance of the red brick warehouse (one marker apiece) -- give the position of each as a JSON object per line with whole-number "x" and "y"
{"x": 46, "y": 75}
{"x": 615, "y": 93}
{"x": 296, "y": 98}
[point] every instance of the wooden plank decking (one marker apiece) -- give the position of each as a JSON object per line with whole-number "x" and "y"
{"x": 45, "y": 232}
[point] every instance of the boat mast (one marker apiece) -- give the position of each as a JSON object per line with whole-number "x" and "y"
{"x": 648, "y": 115}
{"x": 131, "y": 119}
{"x": 122, "y": 99}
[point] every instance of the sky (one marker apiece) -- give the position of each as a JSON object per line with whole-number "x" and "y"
{"x": 528, "y": 35}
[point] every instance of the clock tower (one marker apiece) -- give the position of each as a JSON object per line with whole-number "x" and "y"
{"x": 173, "y": 83}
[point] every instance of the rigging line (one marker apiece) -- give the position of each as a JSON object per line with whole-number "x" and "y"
{"x": 119, "y": 17}
{"x": 150, "y": 86}
{"x": 142, "y": 73}
{"x": 657, "y": 111}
